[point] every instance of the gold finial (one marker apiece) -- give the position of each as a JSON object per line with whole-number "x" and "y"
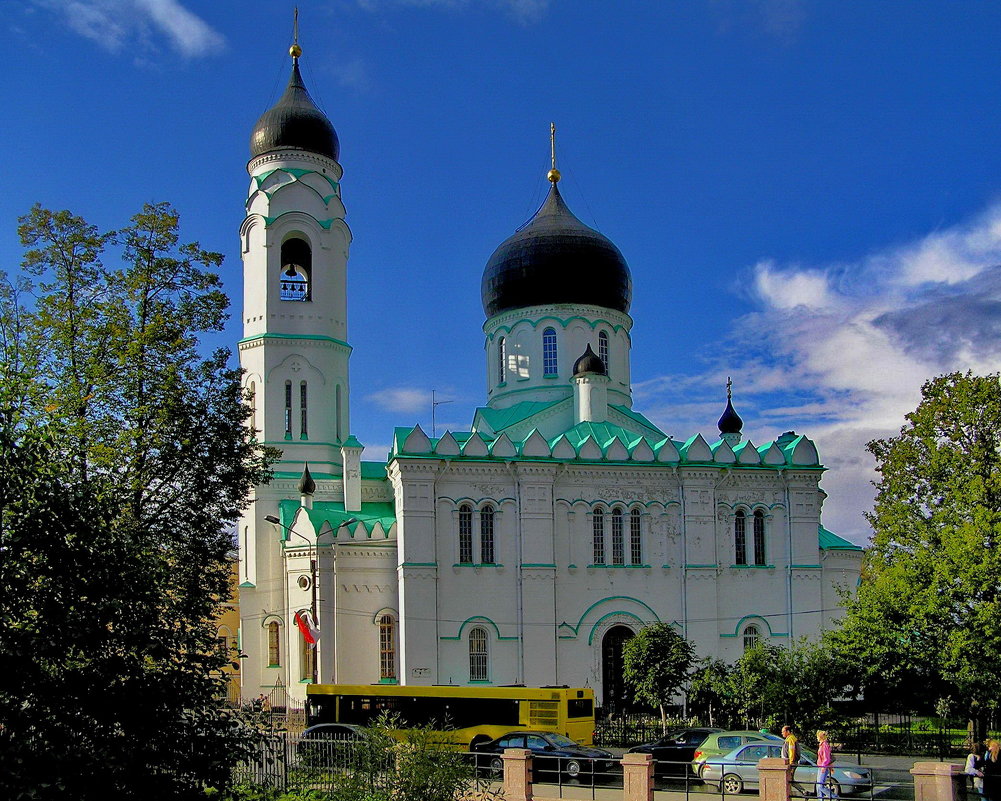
{"x": 295, "y": 51}
{"x": 729, "y": 388}
{"x": 554, "y": 174}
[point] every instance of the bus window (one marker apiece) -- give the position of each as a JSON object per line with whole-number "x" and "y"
{"x": 580, "y": 708}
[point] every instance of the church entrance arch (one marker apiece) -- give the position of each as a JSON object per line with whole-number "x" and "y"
{"x": 613, "y": 688}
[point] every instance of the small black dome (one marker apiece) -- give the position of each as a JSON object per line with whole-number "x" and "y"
{"x": 294, "y": 123}
{"x": 590, "y": 362}
{"x": 555, "y": 258}
{"x": 306, "y": 484}
{"x": 730, "y": 422}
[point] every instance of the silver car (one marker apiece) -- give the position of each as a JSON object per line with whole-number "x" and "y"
{"x": 737, "y": 771}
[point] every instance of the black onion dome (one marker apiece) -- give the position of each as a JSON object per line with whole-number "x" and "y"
{"x": 555, "y": 258}
{"x": 590, "y": 362}
{"x": 294, "y": 123}
{"x": 730, "y": 422}
{"x": 306, "y": 484}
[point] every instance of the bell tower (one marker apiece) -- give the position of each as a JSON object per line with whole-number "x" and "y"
{"x": 295, "y": 353}
{"x": 295, "y": 251}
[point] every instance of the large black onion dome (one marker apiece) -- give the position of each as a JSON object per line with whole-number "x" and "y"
{"x": 730, "y": 422}
{"x": 306, "y": 484}
{"x": 555, "y": 258}
{"x": 294, "y": 123}
{"x": 590, "y": 362}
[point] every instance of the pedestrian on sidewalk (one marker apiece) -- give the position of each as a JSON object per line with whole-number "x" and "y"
{"x": 824, "y": 762}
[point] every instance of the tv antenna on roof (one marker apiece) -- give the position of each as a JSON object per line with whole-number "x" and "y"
{"x": 434, "y": 405}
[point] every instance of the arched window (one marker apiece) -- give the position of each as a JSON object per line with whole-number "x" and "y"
{"x": 501, "y": 360}
{"x": 479, "y": 667}
{"x": 752, "y": 636}
{"x": 303, "y": 430}
{"x": 598, "y": 535}
{"x": 618, "y": 541}
{"x": 759, "y": 538}
{"x": 387, "y": 647}
{"x": 288, "y": 410}
{"x": 635, "y": 538}
{"x": 465, "y": 535}
{"x": 274, "y": 644}
{"x": 603, "y": 349}
{"x": 740, "y": 538}
{"x": 297, "y": 262}
{"x": 549, "y": 366}
{"x": 487, "y": 535}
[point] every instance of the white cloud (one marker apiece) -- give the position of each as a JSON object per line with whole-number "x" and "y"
{"x": 402, "y": 399}
{"x": 840, "y": 352}
{"x": 118, "y": 25}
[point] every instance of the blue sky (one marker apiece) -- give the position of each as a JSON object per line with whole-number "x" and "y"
{"x": 808, "y": 193}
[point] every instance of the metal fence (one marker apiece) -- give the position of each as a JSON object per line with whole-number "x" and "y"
{"x": 863, "y": 733}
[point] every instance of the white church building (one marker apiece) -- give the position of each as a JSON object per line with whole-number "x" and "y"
{"x": 528, "y": 548}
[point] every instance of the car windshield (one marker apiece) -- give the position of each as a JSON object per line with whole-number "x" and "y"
{"x": 562, "y": 742}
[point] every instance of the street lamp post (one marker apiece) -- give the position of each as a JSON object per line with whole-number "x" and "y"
{"x": 313, "y": 553}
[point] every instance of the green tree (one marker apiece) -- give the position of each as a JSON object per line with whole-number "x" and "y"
{"x": 108, "y": 367}
{"x": 712, "y": 693}
{"x": 925, "y": 622}
{"x": 656, "y": 663}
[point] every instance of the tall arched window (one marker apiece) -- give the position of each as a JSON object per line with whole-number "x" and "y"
{"x": 598, "y": 536}
{"x": 635, "y": 538}
{"x": 752, "y": 636}
{"x": 303, "y": 430}
{"x": 387, "y": 647}
{"x": 479, "y": 662}
{"x": 549, "y": 365}
{"x": 603, "y": 349}
{"x": 487, "y": 535}
{"x": 288, "y": 410}
{"x": 465, "y": 534}
{"x": 759, "y": 538}
{"x": 618, "y": 540}
{"x": 274, "y": 645}
{"x": 501, "y": 360}
{"x": 297, "y": 262}
{"x": 740, "y": 538}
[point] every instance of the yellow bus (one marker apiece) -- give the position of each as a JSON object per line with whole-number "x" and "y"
{"x": 471, "y": 715}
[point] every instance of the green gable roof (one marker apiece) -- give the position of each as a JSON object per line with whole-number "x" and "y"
{"x": 639, "y": 418}
{"x": 499, "y": 419}
{"x": 829, "y": 541}
{"x": 332, "y": 514}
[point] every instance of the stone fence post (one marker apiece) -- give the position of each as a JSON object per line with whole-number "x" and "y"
{"x": 773, "y": 779}
{"x": 938, "y": 781}
{"x": 637, "y": 777}
{"x": 517, "y": 774}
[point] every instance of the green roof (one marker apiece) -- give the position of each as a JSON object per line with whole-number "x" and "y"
{"x": 333, "y": 515}
{"x": 499, "y": 419}
{"x": 602, "y": 433}
{"x": 374, "y": 470}
{"x": 829, "y": 541}
{"x": 636, "y": 416}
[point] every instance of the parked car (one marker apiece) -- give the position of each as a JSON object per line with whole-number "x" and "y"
{"x": 724, "y": 742}
{"x": 330, "y": 740}
{"x": 673, "y": 753}
{"x": 737, "y": 771}
{"x": 551, "y": 753}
